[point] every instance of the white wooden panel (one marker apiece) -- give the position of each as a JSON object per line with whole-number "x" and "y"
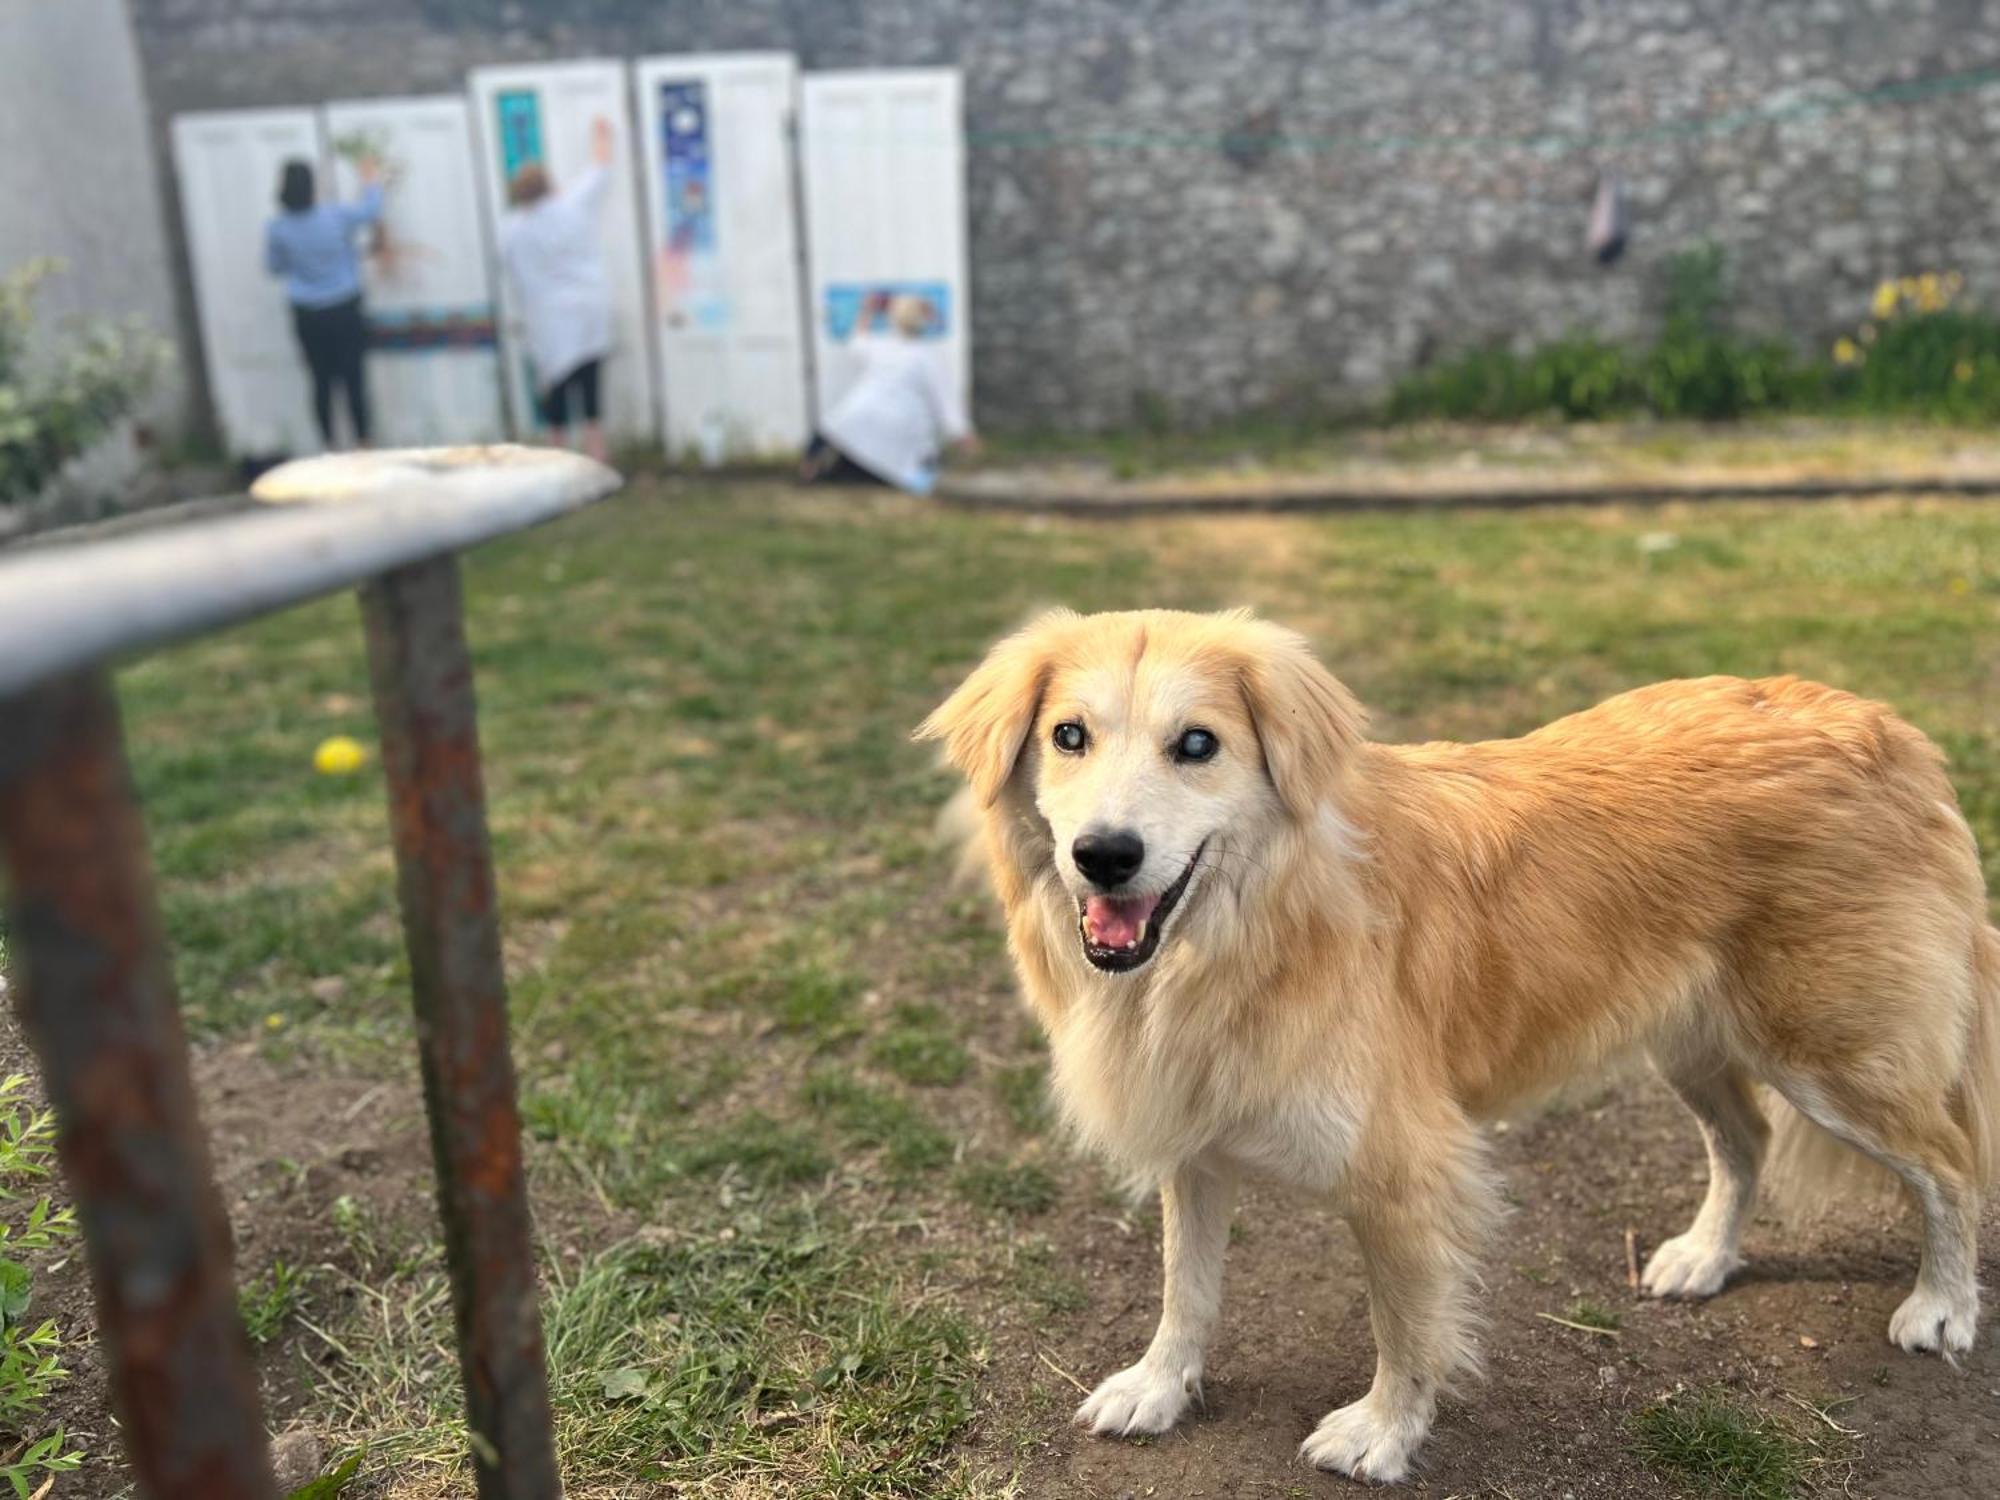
{"x": 883, "y": 155}
{"x": 722, "y": 237}
{"x": 227, "y": 165}
{"x": 545, "y": 111}
{"x": 433, "y": 367}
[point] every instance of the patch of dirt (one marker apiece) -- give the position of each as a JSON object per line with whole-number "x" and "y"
{"x": 285, "y": 1146}
{"x": 1551, "y": 1416}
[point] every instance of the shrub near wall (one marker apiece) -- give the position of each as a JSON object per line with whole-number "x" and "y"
{"x": 1922, "y": 352}
{"x": 54, "y": 408}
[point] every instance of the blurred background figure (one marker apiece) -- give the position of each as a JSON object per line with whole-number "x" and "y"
{"x": 553, "y": 250}
{"x": 311, "y": 245}
{"x": 900, "y": 412}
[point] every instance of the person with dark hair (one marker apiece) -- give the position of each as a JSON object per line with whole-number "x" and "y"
{"x": 553, "y": 249}
{"x": 311, "y": 245}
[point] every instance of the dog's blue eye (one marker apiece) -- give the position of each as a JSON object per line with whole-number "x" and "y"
{"x": 1070, "y": 738}
{"x": 1196, "y": 744}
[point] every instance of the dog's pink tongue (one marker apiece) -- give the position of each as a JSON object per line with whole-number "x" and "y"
{"x": 1114, "y": 922}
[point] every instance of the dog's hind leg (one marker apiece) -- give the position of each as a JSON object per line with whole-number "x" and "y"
{"x": 1420, "y": 1214}
{"x": 1910, "y": 1131}
{"x": 1719, "y": 1096}
{"x": 1152, "y": 1395}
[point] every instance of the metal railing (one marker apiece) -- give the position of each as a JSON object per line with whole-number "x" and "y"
{"x": 95, "y": 992}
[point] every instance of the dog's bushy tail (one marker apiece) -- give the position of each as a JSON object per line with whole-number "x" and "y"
{"x": 1976, "y": 1103}
{"x": 957, "y": 833}
{"x": 1809, "y": 1171}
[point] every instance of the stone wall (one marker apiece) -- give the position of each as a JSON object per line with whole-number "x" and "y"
{"x": 1185, "y": 210}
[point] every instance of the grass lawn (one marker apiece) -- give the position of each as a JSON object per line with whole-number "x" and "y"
{"x": 791, "y": 1160}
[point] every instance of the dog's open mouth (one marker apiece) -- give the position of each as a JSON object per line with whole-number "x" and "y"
{"x": 1120, "y": 932}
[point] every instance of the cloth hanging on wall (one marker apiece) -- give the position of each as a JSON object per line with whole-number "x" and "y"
{"x": 1610, "y": 220}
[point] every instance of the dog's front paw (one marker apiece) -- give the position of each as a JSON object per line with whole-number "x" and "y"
{"x": 1688, "y": 1266}
{"x": 1368, "y": 1440}
{"x": 1931, "y": 1321}
{"x": 1145, "y": 1398}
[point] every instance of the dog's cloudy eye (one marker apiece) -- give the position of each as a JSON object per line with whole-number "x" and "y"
{"x": 1069, "y": 737}
{"x": 1196, "y": 744}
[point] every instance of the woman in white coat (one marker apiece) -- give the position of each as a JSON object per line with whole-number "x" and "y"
{"x": 903, "y": 408}
{"x": 554, "y": 253}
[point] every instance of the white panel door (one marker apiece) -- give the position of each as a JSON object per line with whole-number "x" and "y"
{"x": 722, "y": 237}
{"x": 227, "y": 165}
{"x": 543, "y": 113}
{"x": 433, "y": 367}
{"x": 884, "y": 167}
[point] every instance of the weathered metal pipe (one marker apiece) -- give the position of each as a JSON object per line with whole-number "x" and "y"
{"x": 328, "y": 523}
{"x": 422, "y": 678}
{"x": 96, "y": 999}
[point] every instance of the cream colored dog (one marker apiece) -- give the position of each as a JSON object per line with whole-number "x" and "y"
{"x": 1261, "y": 943}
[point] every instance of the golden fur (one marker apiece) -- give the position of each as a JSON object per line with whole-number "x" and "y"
{"x": 1378, "y": 946}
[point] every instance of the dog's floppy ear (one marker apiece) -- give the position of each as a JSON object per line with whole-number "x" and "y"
{"x": 1307, "y": 722}
{"x": 985, "y": 723}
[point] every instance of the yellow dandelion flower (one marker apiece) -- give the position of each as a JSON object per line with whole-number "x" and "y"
{"x": 1845, "y": 352}
{"x": 1883, "y": 303}
{"x": 274, "y": 1021}
{"x": 1962, "y": 371}
{"x": 1907, "y": 286}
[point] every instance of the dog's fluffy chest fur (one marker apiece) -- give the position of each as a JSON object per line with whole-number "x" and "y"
{"x": 1149, "y": 1100}
{"x": 1182, "y": 1064}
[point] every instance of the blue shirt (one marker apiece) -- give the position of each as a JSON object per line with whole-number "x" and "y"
{"x": 314, "y": 249}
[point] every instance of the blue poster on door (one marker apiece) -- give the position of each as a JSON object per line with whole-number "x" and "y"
{"x": 863, "y": 307}
{"x": 692, "y": 288}
{"x": 518, "y": 121}
{"x": 520, "y": 132}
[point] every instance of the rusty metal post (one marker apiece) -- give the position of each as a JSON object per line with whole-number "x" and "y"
{"x": 96, "y": 999}
{"x": 422, "y": 679}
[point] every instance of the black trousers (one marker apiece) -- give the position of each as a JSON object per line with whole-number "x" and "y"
{"x": 575, "y": 392}
{"x": 824, "y": 463}
{"x": 335, "y": 341}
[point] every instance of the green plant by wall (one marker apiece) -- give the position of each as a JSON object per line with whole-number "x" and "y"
{"x": 53, "y": 408}
{"x": 1699, "y": 368}
{"x": 1922, "y": 351}
{"x": 30, "y": 1356}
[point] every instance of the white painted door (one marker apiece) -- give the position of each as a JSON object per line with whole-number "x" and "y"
{"x": 883, "y": 154}
{"x": 227, "y": 165}
{"x": 433, "y": 364}
{"x": 722, "y": 242}
{"x": 544, "y": 113}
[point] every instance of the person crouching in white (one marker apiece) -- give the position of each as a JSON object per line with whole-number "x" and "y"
{"x": 903, "y": 408}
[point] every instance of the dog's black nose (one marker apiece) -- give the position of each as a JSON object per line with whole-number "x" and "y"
{"x": 1108, "y": 859}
